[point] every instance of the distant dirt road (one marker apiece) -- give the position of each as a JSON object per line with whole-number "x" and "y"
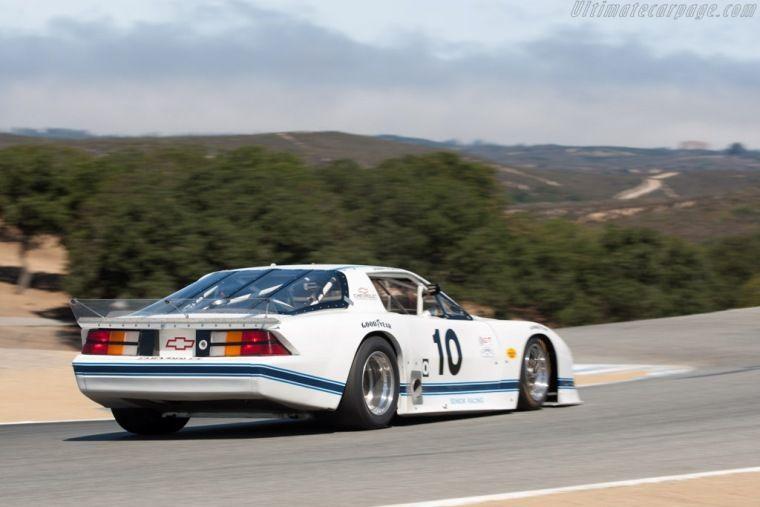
{"x": 648, "y": 186}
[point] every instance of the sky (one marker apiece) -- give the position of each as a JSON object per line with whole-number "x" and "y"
{"x": 497, "y": 71}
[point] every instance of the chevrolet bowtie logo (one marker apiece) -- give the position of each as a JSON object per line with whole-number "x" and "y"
{"x": 180, "y": 343}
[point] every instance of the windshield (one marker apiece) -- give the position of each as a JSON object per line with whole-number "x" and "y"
{"x": 257, "y": 290}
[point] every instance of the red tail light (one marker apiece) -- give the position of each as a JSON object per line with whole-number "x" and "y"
{"x": 111, "y": 342}
{"x": 255, "y": 342}
{"x": 97, "y": 342}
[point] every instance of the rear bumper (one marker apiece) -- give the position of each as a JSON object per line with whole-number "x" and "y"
{"x": 115, "y": 382}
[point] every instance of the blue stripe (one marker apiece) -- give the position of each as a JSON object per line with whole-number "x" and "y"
{"x": 476, "y": 382}
{"x": 497, "y": 386}
{"x": 209, "y": 370}
{"x": 205, "y": 367}
{"x": 441, "y": 388}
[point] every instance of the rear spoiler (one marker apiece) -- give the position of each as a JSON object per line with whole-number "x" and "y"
{"x": 161, "y": 323}
{"x": 160, "y": 314}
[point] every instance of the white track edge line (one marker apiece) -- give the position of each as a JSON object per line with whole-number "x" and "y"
{"x": 450, "y": 502}
{"x": 54, "y": 421}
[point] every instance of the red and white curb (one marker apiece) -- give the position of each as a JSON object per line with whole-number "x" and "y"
{"x": 650, "y": 370}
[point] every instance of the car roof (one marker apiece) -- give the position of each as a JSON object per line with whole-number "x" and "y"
{"x": 336, "y": 267}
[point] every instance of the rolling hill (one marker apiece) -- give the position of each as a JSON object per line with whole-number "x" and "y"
{"x": 312, "y": 147}
{"x": 697, "y": 194}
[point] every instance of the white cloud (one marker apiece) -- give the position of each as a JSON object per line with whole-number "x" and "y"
{"x": 268, "y": 71}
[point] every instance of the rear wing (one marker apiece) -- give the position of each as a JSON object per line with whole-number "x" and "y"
{"x": 165, "y": 313}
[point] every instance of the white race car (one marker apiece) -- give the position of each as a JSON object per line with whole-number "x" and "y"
{"x": 356, "y": 345}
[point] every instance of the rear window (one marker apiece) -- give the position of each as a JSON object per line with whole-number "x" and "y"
{"x": 286, "y": 291}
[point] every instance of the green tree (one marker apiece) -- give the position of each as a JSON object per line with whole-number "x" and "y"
{"x": 135, "y": 237}
{"x": 164, "y": 217}
{"x": 145, "y": 222}
{"x": 736, "y": 149}
{"x": 734, "y": 261}
{"x": 420, "y": 209}
{"x": 749, "y": 294}
{"x": 38, "y": 194}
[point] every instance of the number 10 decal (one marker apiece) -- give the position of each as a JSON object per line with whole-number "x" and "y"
{"x": 451, "y": 336}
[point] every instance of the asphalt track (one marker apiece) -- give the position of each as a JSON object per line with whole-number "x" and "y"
{"x": 707, "y": 419}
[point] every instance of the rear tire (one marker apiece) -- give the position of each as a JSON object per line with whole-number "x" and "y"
{"x": 371, "y": 395}
{"x": 535, "y": 375}
{"x": 143, "y": 421}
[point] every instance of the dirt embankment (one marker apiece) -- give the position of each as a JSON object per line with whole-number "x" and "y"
{"x": 740, "y": 489}
{"x": 22, "y": 314}
{"x": 47, "y": 257}
{"x": 42, "y": 387}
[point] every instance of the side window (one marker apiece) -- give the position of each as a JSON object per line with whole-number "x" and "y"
{"x": 430, "y": 306}
{"x": 399, "y": 295}
{"x": 453, "y": 310}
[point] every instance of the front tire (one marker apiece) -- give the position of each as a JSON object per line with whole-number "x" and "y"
{"x": 143, "y": 421}
{"x": 535, "y": 375}
{"x": 371, "y": 395}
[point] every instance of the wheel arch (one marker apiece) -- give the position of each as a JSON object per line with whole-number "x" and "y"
{"x": 388, "y": 338}
{"x": 554, "y": 380}
{"x": 393, "y": 343}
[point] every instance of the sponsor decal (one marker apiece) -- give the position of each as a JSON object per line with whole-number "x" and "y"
{"x": 425, "y": 367}
{"x": 467, "y": 401}
{"x": 363, "y": 293}
{"x": 376, "y": 323}
{"x": 180, "y": 343}
{"x": 511, "y": 353}
{"x": 485, "y": 340}
{"x": 486, "y": 352}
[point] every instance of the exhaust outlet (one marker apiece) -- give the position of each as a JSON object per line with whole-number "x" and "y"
{"x": 414, "y": 387}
